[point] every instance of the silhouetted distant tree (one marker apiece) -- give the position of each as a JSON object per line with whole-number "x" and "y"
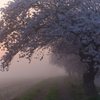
{"x": 71, "y": 63}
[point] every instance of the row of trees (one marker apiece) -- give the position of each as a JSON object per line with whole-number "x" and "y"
{"x": 71, "y": 63}
{"x": 67, "y": 26}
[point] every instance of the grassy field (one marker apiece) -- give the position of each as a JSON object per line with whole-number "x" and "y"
{"x": 52, "y": 93}
{"x": 76, "y": 89}
{"x": 32, "y": 92}
{"x": 11, "y": 89}
{"x": 72, "y": 85}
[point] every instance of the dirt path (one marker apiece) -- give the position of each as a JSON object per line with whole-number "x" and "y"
{"x": 43, "y": 93}
{"x": 63, "y": 92}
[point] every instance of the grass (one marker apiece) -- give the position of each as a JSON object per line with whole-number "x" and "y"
{"x": 52, "y": 93}
{"x": 11, "y": 89}
{"x": 94, "y": 97}
{"x": 76, "y": 89}
{"x": 32, "y": 92}
{"x": 72, "y": 84}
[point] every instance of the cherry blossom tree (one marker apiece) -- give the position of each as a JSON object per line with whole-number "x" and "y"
{"x": 27, "y": 25}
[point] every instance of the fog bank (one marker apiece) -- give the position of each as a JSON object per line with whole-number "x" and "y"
{"x": 35, "y": 69}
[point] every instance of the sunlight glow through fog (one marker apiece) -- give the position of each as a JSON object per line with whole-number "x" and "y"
{"x": 2, "y": 2}
{"x": 35, "y": 69}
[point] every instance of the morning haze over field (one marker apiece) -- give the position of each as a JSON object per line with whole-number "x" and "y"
{"x": 50, "y": 50}
{"x": 20, "y": 68}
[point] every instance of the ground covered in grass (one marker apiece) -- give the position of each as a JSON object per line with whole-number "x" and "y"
{"x": 52, "y": 93}
{"x": 76, "y": 89}
{"x": 58, "y": 88}
{"x": 32, "y": 92}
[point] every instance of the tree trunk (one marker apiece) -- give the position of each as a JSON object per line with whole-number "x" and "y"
{"x": 89, "y": 85}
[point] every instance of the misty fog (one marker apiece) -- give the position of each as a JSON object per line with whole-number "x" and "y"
{"x": 21, "y": 69}
{"x": 22, "y": 72}
{"x": 22, "y": 75}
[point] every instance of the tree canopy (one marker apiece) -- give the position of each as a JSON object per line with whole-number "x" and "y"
{"x": 26, "y": 25}
{"x": 66, "y": 26}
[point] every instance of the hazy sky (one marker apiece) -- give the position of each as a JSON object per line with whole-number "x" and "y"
{"x": 2, "y": 2}
{"x": 35, "y": 69}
